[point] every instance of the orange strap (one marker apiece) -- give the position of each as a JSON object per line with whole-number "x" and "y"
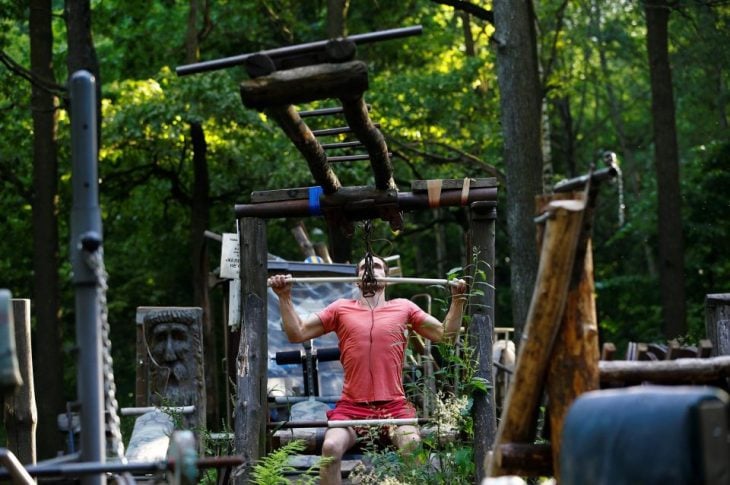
{"x": 465, "y": 191}
{"x": 434, "y": 193}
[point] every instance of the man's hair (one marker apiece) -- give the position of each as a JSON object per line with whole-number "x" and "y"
{"x": 385, "y": 264}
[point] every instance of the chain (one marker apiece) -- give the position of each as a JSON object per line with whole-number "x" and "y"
{"x": 368, "y": 277}
{"x": 115, "y": 446}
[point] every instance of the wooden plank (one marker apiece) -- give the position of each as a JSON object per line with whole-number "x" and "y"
{"x": 454, "y": 184}
{"x": 717, "y": 322}
{"x": 562, "y": 232}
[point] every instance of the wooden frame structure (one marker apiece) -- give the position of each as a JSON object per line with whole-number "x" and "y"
{"x": 281, "y": 78}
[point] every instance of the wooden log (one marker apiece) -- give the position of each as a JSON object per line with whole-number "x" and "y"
{"x": 304, "y": 140}
{"x": 19, "y": 410}
{"x": 302, "y": 238}
{"x": 356, "y": 114}
{"x": 356, "y": 207}
{"x": 717, "y": 322}
{"x": 679, "y": 371}
{"x": 574, "y": 361}
{"x": 251, "y": 411}
{"x": 557, "y": 257}
{"x": 305, "y": 84}
{"x": 482, "y": 234}
{"x": 527, "y": 460}
{"x": 608, "y": 351}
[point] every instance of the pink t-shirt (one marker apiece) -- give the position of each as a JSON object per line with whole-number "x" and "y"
{"x": 372, "y": 345}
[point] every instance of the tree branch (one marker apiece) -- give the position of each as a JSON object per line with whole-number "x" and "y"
{"x": 470, "y": 8}
{"x": 18, "y": 70}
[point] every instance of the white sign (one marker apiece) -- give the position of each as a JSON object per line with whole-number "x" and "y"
{"x": 230, "y": 256}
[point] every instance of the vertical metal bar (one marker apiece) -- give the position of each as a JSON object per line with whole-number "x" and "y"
{"x": 85, "y": 240}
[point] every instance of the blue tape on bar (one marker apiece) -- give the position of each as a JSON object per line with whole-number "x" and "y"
{"x": 314, "y": 208}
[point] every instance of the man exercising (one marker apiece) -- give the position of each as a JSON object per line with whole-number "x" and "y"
{"x": 373, "y": 336}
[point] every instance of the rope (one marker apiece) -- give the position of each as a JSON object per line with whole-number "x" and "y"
{"x": 115, "y": 446}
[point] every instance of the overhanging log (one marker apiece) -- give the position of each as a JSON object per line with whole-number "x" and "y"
{"x": 680, "y": 371}
{"x": 305, "y": 84}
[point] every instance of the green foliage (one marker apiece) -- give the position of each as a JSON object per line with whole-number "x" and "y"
{"x": 272, "y": 469}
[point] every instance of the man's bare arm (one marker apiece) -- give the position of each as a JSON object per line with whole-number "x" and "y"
{"x": 447, "y": 330}
{"x": 297, "y": 329}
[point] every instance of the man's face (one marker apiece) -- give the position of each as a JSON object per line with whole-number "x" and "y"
{"x": 378, "y": 268}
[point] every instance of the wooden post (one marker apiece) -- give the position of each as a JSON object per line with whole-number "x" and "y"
{"x": 481, "y": 309}
{"x": 251, "y": 411}
{"x": 19, "y": 410}
{"x": 717, "y": 321}
{"x": 573, "y": 366}
{"x": 574, "y": 361}
{"x": 557, "y": 257}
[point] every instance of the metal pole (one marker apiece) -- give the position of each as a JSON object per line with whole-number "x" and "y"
{"x": 355, "y": 279}
{"x": 295, "y": 50}
{"x": 347, "y": 423}
{"x": 86, "y": 240}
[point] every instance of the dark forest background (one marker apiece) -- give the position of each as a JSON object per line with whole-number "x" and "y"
{"x": 529, "y": 93}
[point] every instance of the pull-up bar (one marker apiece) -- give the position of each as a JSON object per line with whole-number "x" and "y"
{"x": 355, "y": 279}
{"x": 296, "y": 50}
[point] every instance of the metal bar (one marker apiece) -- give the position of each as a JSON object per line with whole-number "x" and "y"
{"x": 580, "y": 182}
{"x": 336, "y": 131}
{"x": 86, "y": 239}
{"x": 144, "y": 410}
{"x": 82, "y": 469}
{"x": 349, "y": 423}
{"x": 350, "y": 158}
{"x": 14, "y": 468}
{"x": 366, "y": 38}
{"x": 344, "y": 144}
{"x": 296, "y": 399}
{"x": 325, "y": 111}
{"x": 355, "y": 279}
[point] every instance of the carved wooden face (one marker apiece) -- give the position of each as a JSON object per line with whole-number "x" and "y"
{"x": 170, "y": 342}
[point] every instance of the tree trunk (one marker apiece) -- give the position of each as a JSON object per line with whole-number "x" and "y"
{"x": 81, "y": 51}
{"x": 520, "y": 105}
{"x": 337, "y": 18}
{"x": 199, "y": 221}
{"x": 666, "y": 162}
{"x": 340, "y": 245}
{"x": 48, "y": 335}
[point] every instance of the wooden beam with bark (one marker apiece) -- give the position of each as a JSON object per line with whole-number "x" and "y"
{"x": 557, "y": 258}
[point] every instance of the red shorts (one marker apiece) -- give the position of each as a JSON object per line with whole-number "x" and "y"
{"x": 397, "y": 409}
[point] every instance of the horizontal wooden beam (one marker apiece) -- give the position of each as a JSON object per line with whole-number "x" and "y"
{"x": 357, "y": 206}
{"x": 305, "y": 84}
{"x": 453, "y": 184}
{"x": 679, "y": 371}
